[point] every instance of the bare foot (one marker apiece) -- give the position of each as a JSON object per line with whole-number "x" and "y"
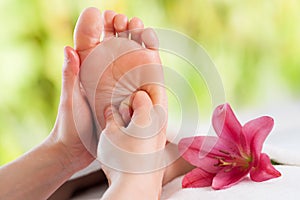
{"x": 112, "y": 27}
{"x": 125, "y": 61}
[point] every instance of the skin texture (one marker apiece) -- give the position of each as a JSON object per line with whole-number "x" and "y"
{"x": 120, "y": 52}
{"x": 38, "y": 173}
{"x": 114, "y": 25}
{"x": 129, "y": 184}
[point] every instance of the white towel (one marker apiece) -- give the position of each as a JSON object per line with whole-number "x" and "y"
{"x": 283, "y": 143}
{"x": 285, "y": 187}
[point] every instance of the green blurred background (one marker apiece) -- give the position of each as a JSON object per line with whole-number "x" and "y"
{"x": 254, "y": 43}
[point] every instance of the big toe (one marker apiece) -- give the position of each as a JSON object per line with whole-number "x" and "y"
{"x": 87, "y": 31}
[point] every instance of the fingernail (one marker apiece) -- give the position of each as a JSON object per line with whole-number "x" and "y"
{"x": 67, "y": 57}
{"x": 70, "y": 58}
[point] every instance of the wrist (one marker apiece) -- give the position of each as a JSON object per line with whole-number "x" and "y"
{"x": 145, "y": 186}
{"x": 60, "y": 155}
{"x": 72, "y": 155}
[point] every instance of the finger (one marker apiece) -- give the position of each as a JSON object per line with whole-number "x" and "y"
{"x": 141, "y": 105}
{"x": 69, "y": 74}
{"x": 147, "y": 120}
{"x": 125, "y": 110}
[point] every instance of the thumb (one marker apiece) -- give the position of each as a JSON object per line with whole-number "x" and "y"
{"x": 69, "y": 73}
{"x": 141, "y": 105}
{"x": 147, "y": 120}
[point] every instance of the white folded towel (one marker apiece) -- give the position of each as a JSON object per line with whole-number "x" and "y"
{"x": 283, "y": 143}
{"x": 285, "y": 187}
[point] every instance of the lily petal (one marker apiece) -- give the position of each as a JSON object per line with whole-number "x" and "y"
{"x": 265, "y": 170}
{"x": 204, "y": 151}
{"x": 197, "y": 178}
{"x": 189, "y": 148}
{"x": 226, "y": 124}
{"x": 256, "y": 132}
{"x": 228, "y": 177}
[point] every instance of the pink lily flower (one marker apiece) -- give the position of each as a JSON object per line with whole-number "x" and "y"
{"x": 224, "y": 160}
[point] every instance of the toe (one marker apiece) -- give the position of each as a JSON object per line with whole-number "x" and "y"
{"x": 109, "y": 30}
{"x": 121, "y": 25}
{"x": 135, "y": 28}
{"x": 150, "y": 39}
{"x": 87, "y": 31}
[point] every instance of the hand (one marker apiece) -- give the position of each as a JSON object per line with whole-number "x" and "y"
{"x": 55, "y": 160}
{"x": 74, "y": 128}
{"x": 119, "y": 157}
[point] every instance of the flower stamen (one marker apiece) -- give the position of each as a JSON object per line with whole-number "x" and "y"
{"x": 225, "y": 152}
